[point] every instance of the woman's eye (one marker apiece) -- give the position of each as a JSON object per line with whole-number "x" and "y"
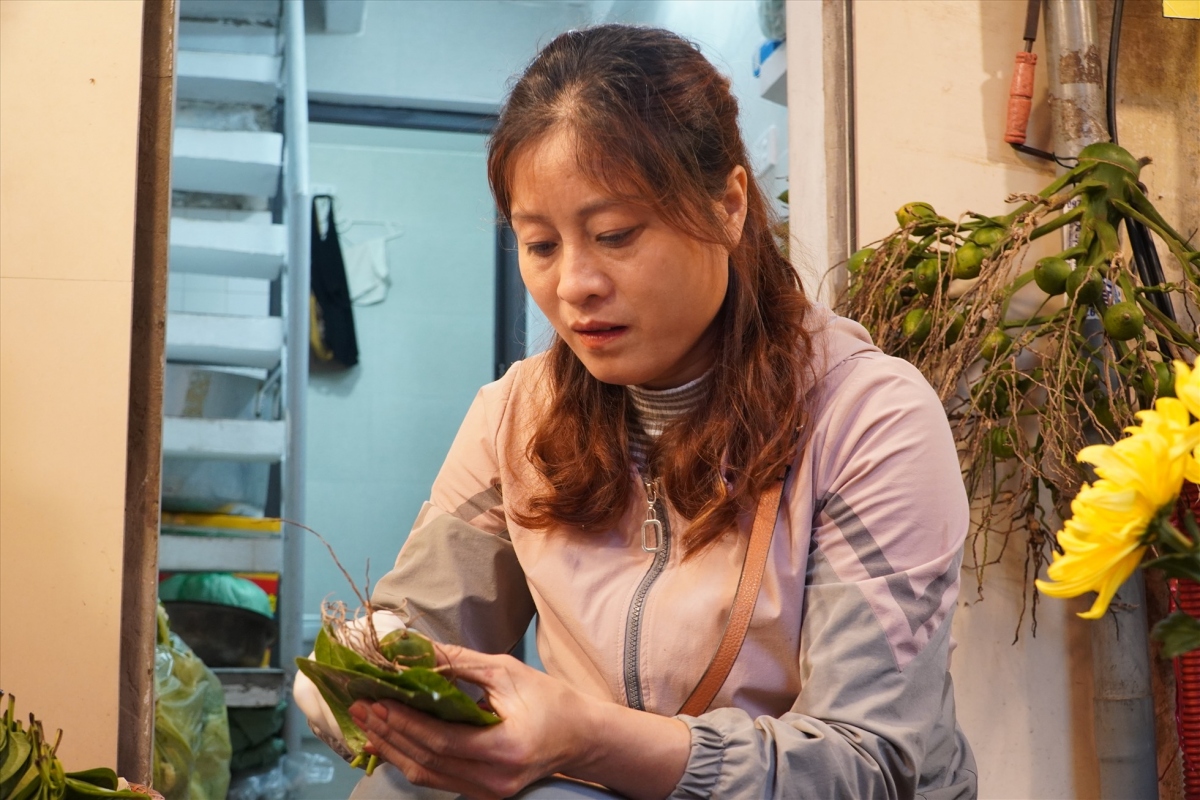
{"x": 616, "y": 238}
{"x": 542, "y": 249}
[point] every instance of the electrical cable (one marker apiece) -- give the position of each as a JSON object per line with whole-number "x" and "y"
{"x": 1145, "y": 255}
{"x": 1114, "y": 47}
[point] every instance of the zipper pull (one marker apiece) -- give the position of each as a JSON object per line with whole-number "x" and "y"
{"x": 652, "y": 528}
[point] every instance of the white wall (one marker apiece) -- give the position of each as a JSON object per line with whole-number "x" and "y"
{"x": 436, "y": 54}
{"x": 378, "y": 433}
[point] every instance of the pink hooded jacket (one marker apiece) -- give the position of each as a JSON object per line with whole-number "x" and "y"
{"x": 842, "y": 687}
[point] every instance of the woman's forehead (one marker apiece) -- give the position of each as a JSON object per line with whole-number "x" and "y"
{"x": 548, "y": 177}
{"x": 557, "y": 173}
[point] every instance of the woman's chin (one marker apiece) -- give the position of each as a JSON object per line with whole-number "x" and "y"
{"x": 615, "y": 372}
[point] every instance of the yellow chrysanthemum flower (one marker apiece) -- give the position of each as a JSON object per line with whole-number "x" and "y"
{"x": 1103, "y": 541}
{"x": 1187, "y": 389}
{"x": 1187, "y": 386}
{"x": 1170, "y": 418}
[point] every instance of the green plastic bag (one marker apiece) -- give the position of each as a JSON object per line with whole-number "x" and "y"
{"x": 221, "y": 588}
{"x": 191, "y": 730}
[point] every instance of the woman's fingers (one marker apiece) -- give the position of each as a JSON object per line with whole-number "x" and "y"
{"x": 428, "y": 754}
{"x": 467, "y": 743}
{"x": 534, "y": 739}
{"x": 470, "y": 665}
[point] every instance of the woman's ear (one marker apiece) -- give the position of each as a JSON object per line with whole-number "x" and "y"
{"x": 733, "y": 203}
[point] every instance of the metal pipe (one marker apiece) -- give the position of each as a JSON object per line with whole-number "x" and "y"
{"x": 1076, "y": 75}
{"x": 296, "y": 305}
{"x": 1123, "y": 704}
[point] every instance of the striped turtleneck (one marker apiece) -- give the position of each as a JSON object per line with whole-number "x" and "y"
{"x": 654, "y": 409}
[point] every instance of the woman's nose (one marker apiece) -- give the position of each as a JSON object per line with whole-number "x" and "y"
{"x": 581, "y": 280}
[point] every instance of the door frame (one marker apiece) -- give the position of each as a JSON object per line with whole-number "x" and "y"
{"x": 143, "y": 466}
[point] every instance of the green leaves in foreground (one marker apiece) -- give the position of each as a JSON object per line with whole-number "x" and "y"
{"x": 30, "y": 769}
{"x": 343, "y": 676}
{"x": 1179, "y": 634}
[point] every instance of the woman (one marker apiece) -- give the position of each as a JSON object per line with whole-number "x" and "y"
{"x": 610, "y": 484}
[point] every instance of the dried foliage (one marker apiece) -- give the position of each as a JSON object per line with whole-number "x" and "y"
{"x": 1024, "y": 394}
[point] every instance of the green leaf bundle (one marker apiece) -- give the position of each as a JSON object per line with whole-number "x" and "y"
{"x": 403, "y": 667}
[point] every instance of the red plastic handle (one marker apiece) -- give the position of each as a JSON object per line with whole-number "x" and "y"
{"x": 1020, "y": 98}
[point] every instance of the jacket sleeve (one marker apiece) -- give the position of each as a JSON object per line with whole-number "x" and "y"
{"x": 457, "y": 578}
{"x": 875, "y": 714}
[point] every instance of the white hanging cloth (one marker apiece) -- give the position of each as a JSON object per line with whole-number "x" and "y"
{"x": 367, "y": 270}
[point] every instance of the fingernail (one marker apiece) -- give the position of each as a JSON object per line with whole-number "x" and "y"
{"x": 358, "y": 711}
{"x": 379, "y": 710}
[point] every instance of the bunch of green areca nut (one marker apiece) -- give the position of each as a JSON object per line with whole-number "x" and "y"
{"x": 353, "y": 663}
{"x": 1033, "y": 360}
{"x": 30, "y": 770}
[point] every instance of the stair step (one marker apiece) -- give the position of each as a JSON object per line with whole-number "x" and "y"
{"x": 243, "y": 10}
{"x": 224, "y": 439}
{"x": 226, "y": 36}
{"x": 227, "y": 77}
{"x": 225, "y": 340}
{"x": 226, "y": 162}
{"x": 250, "y": 216}
{"x": 235, "y": 249}
{"x": 219, "y": 553}
{"x": 251, "y": 688}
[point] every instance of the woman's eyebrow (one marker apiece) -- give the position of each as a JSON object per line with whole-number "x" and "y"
{"x": 583, "y": 213}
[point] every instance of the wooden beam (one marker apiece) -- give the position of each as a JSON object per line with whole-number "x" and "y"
{"x": 139, "y": 591}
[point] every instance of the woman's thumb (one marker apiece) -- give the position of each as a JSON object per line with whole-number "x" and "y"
{"x": 470, "y": 665}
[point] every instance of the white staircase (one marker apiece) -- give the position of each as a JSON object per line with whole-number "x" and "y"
{"x": 232, "y": 249}
{"x": 229, "y": 225}
{"x": 224, "y": 339}
{"x": 250, "y": 78}
{"x": 226, "y": 162}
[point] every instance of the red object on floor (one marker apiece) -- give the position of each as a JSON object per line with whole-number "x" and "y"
{"x": 1186, "y": 597}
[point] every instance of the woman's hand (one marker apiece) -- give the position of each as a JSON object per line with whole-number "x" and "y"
{"x": 547, "y": 728}
{"x": 543, "y": 730}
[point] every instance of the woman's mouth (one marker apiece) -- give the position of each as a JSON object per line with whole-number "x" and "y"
{"x": 598, "y": 335}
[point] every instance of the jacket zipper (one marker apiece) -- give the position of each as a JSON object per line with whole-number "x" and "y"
{"x": 657, "y": 530}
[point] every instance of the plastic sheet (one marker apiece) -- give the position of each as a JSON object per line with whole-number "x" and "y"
{"x": 191, "y": 731}
{"x": 283, "y": 781}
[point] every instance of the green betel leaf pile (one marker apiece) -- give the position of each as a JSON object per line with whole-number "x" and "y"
{"x": 1024, "y": 391}
{"x": 30, "y": 769}
{"x": 352, "y": 663}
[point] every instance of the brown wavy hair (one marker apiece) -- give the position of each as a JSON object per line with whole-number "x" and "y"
{"x": 657, "y": 125}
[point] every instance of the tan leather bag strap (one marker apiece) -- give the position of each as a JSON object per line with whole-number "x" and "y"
{"x": 743, "y": 603}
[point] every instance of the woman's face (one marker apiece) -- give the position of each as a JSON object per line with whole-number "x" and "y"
{"x": 632, "y": 297}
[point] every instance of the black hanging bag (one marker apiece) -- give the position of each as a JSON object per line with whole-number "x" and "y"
{"x": 332, "y": 336}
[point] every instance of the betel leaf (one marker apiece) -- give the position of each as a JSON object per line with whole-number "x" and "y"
{"x": 1179, "y": 634}
{"x": 77, "y": 789}
{"x": 15, "y": 758}
{"x": 29, "y": 782}
{"x": 328, "y": 651}
{"x": 343, "y": 676}
{"x": 97, "y": 776}
{"x": 97, "y": 782}
{"x": 418, "y": 687}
